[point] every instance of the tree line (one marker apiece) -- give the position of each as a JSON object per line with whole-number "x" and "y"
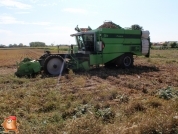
{"x": 13, "y": 45}
{"x": 31, "y": 44}
{"x": 174, "y": 45}
{"x": 37, "y": 44}
{"x": 170, "y": 44}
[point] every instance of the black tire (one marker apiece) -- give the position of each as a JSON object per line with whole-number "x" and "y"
{"x": 126, "y": 61}
{"x": 42, "y": 59}
{"x": 54, "y": 65}
{"x": 110, "y": 65}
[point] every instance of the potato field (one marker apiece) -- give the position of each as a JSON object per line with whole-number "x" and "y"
{"x": 140, "y": 100}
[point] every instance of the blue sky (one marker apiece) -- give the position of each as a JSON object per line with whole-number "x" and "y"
{"x": 52, "y": 21}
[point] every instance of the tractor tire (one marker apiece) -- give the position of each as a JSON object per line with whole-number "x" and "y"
{"x": 126, "y": 61}
{"x": 42, "y": 59}
{"x": 54, "y": 65}
{"x": 109, "y": 65}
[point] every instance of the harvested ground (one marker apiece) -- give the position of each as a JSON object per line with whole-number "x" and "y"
{"x": 145, "y": 77}
{"x": 7, "y": 70}
{"x": 140, "y": 100}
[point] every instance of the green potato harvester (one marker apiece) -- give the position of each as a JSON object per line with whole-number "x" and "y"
{"x": 108, "y": 45}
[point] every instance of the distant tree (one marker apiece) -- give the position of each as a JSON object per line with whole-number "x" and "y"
{"x": 10, "y": 45}
{"x": 20, "y": 45}
{"x": 1, "y": 45}
{"x": 32, "y": 44}
{"x": 151, "y": 43}
{"x": 37, "y": 44}
{"x": 136, "y": 27}
{"x": 15, "y": 45}
{"x": 165, "y": 44}
{"x": 174, "y": 45}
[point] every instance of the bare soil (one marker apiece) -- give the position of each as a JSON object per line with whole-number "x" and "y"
{"x": 102, "y": 100}
{"x": 7, "y": 70}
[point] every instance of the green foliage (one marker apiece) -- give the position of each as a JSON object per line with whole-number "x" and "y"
{"x": 20, "y": 45}
{"x": 136, "y": 27}
{"x": 80, "y": 110}
{"x": 151, "y": 44}
{"x": 174, "y": 45}
{"x": 167, "y": 93}
{"x": 2, "y": 46}
{"x": 165, "y": 45}
{"x": 15, "y": 45}
{"x": 26, "y": 59}
{"x": 37, "y": 44}
{"x": 76, "y": 112}
{"x": 123, "y": 98}
{"x": 106, "y": 114}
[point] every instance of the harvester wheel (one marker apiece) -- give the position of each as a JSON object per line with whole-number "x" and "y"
{"x": 126, "y": 61}
{"x": 42, "y": 59}
{"x": 54, "y": 65}
{"x": 110, "y": 65}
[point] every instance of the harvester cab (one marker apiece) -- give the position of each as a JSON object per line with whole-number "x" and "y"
{"x": 85, "y": 42}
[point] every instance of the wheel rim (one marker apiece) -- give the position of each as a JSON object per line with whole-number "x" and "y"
{"x": 127, "y": 61}
{"x": 54, "y": 66}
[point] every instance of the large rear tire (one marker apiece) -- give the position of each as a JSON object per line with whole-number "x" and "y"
{"x": 110, "y": 64}
{"x": 126, "y": 61}
{"x": 54, "y": 65}
{"x": 42, "y": 59}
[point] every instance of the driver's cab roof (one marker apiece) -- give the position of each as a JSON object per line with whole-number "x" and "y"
{"x": 82, "y": 33}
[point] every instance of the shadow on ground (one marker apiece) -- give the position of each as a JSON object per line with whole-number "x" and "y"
{"x": 104, "y": 72}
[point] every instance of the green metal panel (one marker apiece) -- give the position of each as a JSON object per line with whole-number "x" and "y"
{"x": 120, "y": 48}
{"x": 107, "y": 30}
{"x": 108, "y": 41}
{"x": 116, "y": 35}
{"x": 111, "y": 56}
{"x": 96, "y": 59}
{"x": 84, "y": 65}
{"x": 113, "y": 48}
{"x": 121, "y": 41}
{"x": 132, "y": 41}
{"x": 133, "y": 32}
